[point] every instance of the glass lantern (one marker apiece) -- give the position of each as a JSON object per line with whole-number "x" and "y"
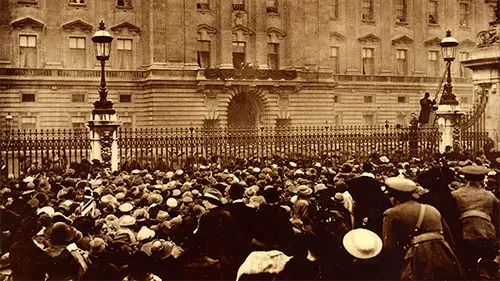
{"x": 449, "y": 47}
{"x": 102, "y": 43}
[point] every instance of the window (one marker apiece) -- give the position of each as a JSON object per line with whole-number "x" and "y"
{"x": 238, "y": 54}
{"x": 464, "y": 14}
{"x": 433, "y": 63}
{"x": 367, "y": 10}
{"x": 401, "y": 11}
{"x": 464, "y": 71}
{"x": 401, "y": 119}
{"x": 368, "y": 61}
{"x": 124, "y": 58}
{"x": 433, "y": 11}
{"x": 272, "y": 6}
{"x": 27, "y": 2}
{"x": 492, "y": 13}
{"x": 368, "y": 120}
{"x": 203, "y": 4}
{"x": 334, "y": 58}
{"x": 401, "y": 62}
{"x": 126, "y": 122}
{"x": 77, "y": 52}
{"x": 338, "y": 120}
{"x": 273, "y": 55}
{"x": 77, "y": 1}
{"x": 124, "y": 3}
{"x": 334, "y": 9}
{"x": 28, "y": 97}
{"x": 204, "y": 54}
{"x": 28, "y": 122}
{"x": 78, "y": 98}
{"x": 402, "y": 99}
{"x": 78, "y": 123}
{"x": 368, "y": 99}
{"x": 336, "y": 99}
{"x": 125, "y": 98}
{"x": 238, "y": 5}
{"x": 27, "y": 50}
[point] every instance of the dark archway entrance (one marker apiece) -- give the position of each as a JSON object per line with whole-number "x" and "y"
{"x": 244, "y": 111}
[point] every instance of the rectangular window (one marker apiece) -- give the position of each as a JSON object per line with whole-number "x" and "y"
{"x": 273, "y": 55}
{"x": 464, "y": 71}
{"x": 492, "y": 13}
{"x": 368, "y": 61}
{"x": 272, "y": 6}
{"x": 464, "y": 14}
{"x": 203, "y": 4}
{"x": 28, "y": 122}
{"x": 334, "y": 59}
{"x": 204, "y": 54}
{"x": 338, "y": 120}
{"x": 368, "y": 99}
{"x": 401, "y": 62}
{"x": 433, "y": 63}
{"x": 334, "y": 9}
{"x": 126, "y": 98}
{"x": 433, "y": 11}
{"x": 401, "y": 11}
{"x": 27, "y": 51}
{"x": 28, "y": 97}
{"x": 77, "y": 52}
{"x": 336, "y": 99}
{"x": 238, "y": 5}
{"x": 368, "y": 120}
{"x": 78, "y": 98}
{"x": 401, "y": 99}
{"x": 27, "y": 1}
{"x": 238, "y": 54}
{"x": 78, "y": 123}
{"x": 77, "y": 1}
{"x": 367, "y": 10}
{"x": 124, "y": 57}
{"x": 126, "y": 122}
{"x": 124, "y": 3}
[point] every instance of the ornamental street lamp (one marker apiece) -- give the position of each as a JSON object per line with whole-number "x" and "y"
{"x": 102, "y": 43}
{"x": 448, "y": 49}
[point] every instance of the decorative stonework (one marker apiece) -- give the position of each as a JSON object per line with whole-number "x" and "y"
{"x": 119, "y": 28}
{"x": 77, "y": 24}
{"x": 106, "y": 143}
{"x": 27, "y": 22}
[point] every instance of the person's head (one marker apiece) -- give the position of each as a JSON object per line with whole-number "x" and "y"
{"x": 401, "y": 189}
{"x": 426, "y": 94}
{"x": 473, "y": 173}
{"x": 212, "y": 198}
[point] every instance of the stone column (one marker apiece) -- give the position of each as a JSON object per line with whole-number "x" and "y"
{"x": 226, "y": 34}
{"x": 261, "y": 35}
{"x": 447, "y": 119}
{"x": 103, "y": 138}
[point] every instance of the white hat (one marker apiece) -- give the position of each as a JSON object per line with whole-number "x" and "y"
{"x": 362, "y": 243}
{"x": 401, "y": 184}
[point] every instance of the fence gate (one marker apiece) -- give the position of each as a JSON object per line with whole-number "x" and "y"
{"x": 472, "y": 126}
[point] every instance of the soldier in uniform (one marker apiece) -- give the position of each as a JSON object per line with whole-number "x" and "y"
{"x": 478, "y": 210}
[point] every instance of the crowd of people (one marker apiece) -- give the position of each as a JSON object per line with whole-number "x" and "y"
{"x": 255, "y": 219}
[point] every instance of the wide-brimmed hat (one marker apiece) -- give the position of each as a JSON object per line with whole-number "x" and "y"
{"x": 145, "y": 234}
{"x": 162, "y": 216}
{"x": 154, "y": 198}
{"x": 303, "y": 190}
{"x": 126, "y": 220}
{"x": 97, "y": 245}
{"x": 401, "y": 184}
{"x": 320, "y": 187}
{"x": 213, "y": 194}
{"x": 126, "y": 207}
{"x": 47, "y": 210}
{"x": 474, "y": 170}
{"x": 172, "y": 202}
{"x": 61, "y": 233}
{"x": 362, "y": 243}
{"x": 158, "y": 249}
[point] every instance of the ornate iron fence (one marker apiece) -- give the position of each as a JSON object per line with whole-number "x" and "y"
{"x": 21, "y": 150}
{"x": 181, "y": 147}
{"x": 178, "y": 147}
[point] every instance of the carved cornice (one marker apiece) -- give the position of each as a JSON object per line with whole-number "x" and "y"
{"x": 77, "y": 24}
{"x": 261, "y": 74}
{"x": 369, "y": 38}
{"x": 434, "y": 41}
{"x": 337, "y": 36}
{"x": 27, "y": 21}
{"x": 403, "y": 39}
{"x": 125, "y": 25}
{"x": 280, "y": 34}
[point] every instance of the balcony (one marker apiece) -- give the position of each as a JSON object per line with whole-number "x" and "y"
{"x": 249, "y": 73}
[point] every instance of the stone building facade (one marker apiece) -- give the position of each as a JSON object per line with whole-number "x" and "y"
{"x": 178, "y": 63}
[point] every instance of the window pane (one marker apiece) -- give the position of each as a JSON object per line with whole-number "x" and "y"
{"x": 31, "y": 41}
{"x": 125, "y": 98}
{"x": 433, "y": 11}
{"x": 28, "y": 98}
{"x": 23, "y": 41}
{"x": 78, "y": 98}
{"x": 367, "y": 99}
{"x": 334, "y": 51}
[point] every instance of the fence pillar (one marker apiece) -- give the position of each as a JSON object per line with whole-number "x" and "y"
{"x": 103, "y": 138}
{"x": 448, "y": 117}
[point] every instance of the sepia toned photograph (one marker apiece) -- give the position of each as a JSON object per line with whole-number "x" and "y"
{"x": 150, "y": 140}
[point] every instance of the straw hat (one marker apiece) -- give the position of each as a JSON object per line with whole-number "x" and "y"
{"x": 172, "y": 203}
{"x": 320, "y": 187}
{"x": 362, "y": 243}
{"x": 162, "y": 216}
{"x": 401, "y": 184}
{"x": 159, "y": 249}
{"x": 97, "y": 245}
{"x": 47, "y": 210}
{"x": 145, "y": 234}
{"x": 126, "y": 207}
{"x": 126, "y": 220}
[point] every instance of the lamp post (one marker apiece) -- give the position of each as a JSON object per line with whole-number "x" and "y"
{"x": 448, "y": 49}
{"x": 102, "y": 44}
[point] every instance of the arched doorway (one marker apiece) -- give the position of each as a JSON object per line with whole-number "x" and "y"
{"x": 243, "y": 111}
